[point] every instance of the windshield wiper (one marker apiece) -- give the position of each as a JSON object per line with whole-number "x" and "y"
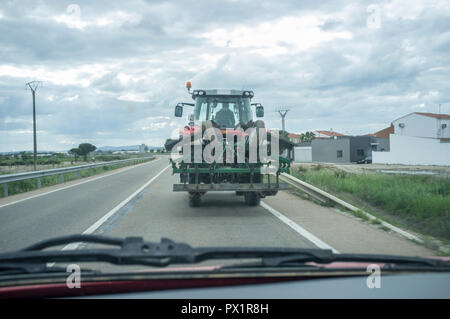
{"x": 389, "y": 261}
{"x": 136, "y": 251}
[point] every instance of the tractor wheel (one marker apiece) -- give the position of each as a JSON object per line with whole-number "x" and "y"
{"x": 252, "y": 198}
{"x": 194, "y": 200}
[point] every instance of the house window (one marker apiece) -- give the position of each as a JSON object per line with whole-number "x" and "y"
{"x": 339, "y": 153}
{"x": 360, "y": 152}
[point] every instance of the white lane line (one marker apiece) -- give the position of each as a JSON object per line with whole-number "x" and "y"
{"x": 80, "y": 183}
{"x": 102, "y": 220}
{"x": 109, "y": 214}
{"x": 300, "y": 230}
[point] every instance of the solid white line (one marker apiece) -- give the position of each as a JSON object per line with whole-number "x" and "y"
{"x": 300, "y": 230}
{"x": 102, "y": 220}
{"x": 99, "y": 222}
{"x": 80, "y": 183}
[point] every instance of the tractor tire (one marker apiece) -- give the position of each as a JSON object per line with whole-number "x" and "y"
{"x": 194, "y": 200}
{"x": 252, "y": 198}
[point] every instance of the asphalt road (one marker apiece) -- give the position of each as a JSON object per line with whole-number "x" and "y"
{"x": 138, "y": 201}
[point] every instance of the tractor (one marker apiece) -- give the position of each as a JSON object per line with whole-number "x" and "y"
{"x": 224, "y": 149}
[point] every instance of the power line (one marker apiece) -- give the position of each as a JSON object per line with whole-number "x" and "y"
{"x": 283, "y": 113}
{"x": 33, "y": 85}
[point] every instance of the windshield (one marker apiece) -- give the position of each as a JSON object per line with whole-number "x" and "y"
{"x": 339, "y": 118}
{"x": 228, "y": 112}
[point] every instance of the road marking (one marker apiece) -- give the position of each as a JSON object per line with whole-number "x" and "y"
{"x": 109, "y": 214}
{"x": 102, "y": 220}
{"x": 300, "y": 230}
{"x": 80, "y": 183}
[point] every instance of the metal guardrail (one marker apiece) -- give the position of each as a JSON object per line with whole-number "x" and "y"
{"x": 8, "y": 178}
{"x": 305, "y": 187}
{"x": 323, "y": 196}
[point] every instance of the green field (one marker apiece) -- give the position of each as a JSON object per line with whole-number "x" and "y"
{"x": 32, "y": 184}
{"x": 57, "y": 160}
{"x": 420, "y": 202}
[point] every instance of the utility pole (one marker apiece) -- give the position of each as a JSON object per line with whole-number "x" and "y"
{"x": 283, "y": 113}
{"x": 33, "y": 85}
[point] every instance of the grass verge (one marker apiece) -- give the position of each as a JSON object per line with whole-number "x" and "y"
{"x": 421, "y": 203}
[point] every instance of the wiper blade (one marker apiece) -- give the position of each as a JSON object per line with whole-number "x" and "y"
{"x": 388, "y": 260}
{"x": 32, "y": 268}
{"x": 28, "y": 268}
{"x": 136, "y": 251}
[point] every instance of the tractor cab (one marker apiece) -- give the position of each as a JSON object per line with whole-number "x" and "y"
{"x": 226, "y": 108}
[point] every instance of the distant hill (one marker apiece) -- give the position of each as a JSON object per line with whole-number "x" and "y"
{"x": 30, "y": 152}
{"x": 103, "y": 148}
{"x": 126, "y": 148}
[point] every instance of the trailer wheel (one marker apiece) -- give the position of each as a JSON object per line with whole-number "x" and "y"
{"x": 194, "y": 200}
{"x": 252, "y": 198}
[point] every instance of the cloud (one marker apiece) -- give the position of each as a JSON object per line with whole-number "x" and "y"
{"x": 290, "y": 34}
{"x": 113, "y": 73}
{"x": 115, "y": 19}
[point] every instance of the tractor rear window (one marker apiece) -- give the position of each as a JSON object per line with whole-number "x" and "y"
{"x": 226, "y": 111}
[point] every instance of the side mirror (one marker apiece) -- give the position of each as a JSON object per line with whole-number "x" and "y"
{"x": 260, "y": 111}
{"x": 178, "y": 110}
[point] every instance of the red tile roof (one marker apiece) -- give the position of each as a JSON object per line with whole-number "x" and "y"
{"x": 435, "y": 115}
{"x": 293, "y": 135}
{"x": 328, "y": 133}
{"x": 384, "y": 132}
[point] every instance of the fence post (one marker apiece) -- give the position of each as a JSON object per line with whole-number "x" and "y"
{"x": 79, "y": 174}
{"x": 5, "y": 189}
{"x": 92, "y": 171}
{"x": 62, "y": 178}
{"x": 39, "y": 183}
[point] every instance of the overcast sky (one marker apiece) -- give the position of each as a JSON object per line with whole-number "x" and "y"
{"x": 113, "y": 71}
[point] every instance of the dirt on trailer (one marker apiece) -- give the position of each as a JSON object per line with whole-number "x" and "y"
{"x": 437, "y": 171}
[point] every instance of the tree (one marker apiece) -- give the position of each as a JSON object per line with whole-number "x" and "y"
{"x": 308, "y": 137}
{"x": 284, "y": 142}
{"x": 75, "y": 152}
{"x": 25, "y": 156}
{"x": 58, "y": 155}
{"x": 85, "y": 149}
{"x": 169, "y": 144}
{"x": 284, "y": 134}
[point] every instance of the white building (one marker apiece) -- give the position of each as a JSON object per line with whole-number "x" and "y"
{"x": 142, "y": 148}
{"x": 423, "y": 125}
{"x": 418, "y": 139}
{"x": 303, "y": 154}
